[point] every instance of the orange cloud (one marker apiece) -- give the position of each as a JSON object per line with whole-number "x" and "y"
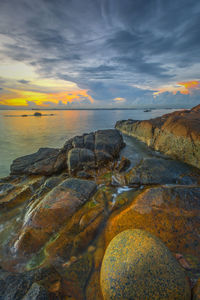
{"x": 190, "y": 85}
{"x": 120, "y": 99}
{"x": 16, "y": 97}
{"x": 181, "y": 87}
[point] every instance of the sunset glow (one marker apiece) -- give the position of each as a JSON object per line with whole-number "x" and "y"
{"x": 43, "y": 93}
{"x": 184, "y": 88}
{"x": 97, "y": 55}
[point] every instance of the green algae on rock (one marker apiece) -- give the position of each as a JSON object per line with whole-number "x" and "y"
{"x": 137, "y": 265}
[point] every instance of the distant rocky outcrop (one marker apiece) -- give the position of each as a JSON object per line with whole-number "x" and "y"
{"x": 37, "y": 114}
{"x": 175, "y": 134}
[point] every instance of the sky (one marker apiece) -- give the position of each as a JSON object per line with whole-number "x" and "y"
{"x": 99, "y": 53}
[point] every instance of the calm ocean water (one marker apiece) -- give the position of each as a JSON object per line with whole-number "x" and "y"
{"x": 24, "y": 135}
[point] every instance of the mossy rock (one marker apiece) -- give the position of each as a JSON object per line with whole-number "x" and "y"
{"x": 137, "y": 265}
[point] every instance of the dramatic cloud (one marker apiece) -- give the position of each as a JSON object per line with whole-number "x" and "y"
{"x": 144, "y": 52}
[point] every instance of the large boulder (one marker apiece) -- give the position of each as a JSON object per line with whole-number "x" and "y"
{"x": 93, "y": 150}
{"x": 172, "y": 213}
{"x": 45, "y": 161}
{"x": 46, "y": 217}
{"x": 176, "y": 134}
{"x": 137, "y": 265}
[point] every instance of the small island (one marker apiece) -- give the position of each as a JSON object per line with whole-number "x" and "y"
{"x": 37, "y": 114}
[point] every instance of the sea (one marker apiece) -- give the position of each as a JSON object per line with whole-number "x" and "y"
{"x": 21, "y": 135}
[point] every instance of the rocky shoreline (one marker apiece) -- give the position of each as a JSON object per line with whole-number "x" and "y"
{"x": 61, "y": 208}
{"x": 175, "y": 134}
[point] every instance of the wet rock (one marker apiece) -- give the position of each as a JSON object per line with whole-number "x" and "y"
{"x": 16, "y": 197}
{"x": 109, "y": 141}
{"x": 50, "y": 183}
{"x": 170, "y": 212}
{"x": 52, "y": 212}
{"x": 76, "y": 276}
{"x": 102, "y": 158}
{"x": 175, "y": 134}
{"x": 93, "y": 291}
{"x": 84, "y": 175}
{"x": 5, "y": 188}
{"x": 14, "y": 286}
{"x": 85, "y": 237}
{"x": 77, "y": 142}
{"x": 36, "y": 292}
{"x": 46, "y": 161}
{"x": 137, "y": 265}
{"x": 124, "y": 164}
{"x": 89, "y": 140}
{"x": 79, "y": 158}
{"x": 21, "y": 192}
{"x": 160, "y": 171}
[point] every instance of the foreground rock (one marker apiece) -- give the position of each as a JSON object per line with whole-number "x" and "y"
{"x": 175, "y": 134}
{"x": 60, "y": 209}
{"x": 52, "y": 212}
{"x": 137, "y": 265}
{"x": 160, "y": 171}
{"x": 15, "y": 286}
{"x": 172, "y": 213}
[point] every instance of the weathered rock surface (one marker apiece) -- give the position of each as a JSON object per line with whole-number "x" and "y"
{"x": 46, "y": 162}
{"x": 137, "y": 265}
{"x": 175, "y": 134}
{"x": 15, "y": 286}
{"x": 109, "y": 141}
{"x": 94, "y": 149}
{"x": 59, "y": 219}
{"x": 172, "y": 213}
{"x": 52, "y": 212}
{"x": 88, "y": 150}
{"x": 36, "y": 292}
{"x": 161, "y": 171}
{"x": 79, "y": 158}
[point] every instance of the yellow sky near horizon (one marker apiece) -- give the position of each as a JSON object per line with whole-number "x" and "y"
{"x": 41, "y": 92}
{"x": 48, "y": 92}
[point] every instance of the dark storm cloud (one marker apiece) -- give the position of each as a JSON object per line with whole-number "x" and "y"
{"x": 107, "y": 46}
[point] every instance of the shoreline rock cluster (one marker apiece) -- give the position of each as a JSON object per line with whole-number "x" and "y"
{"x": 61, "y": 208}
{"x": 175, "y": 134}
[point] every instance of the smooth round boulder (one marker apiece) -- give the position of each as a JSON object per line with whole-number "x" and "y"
{"x": 137, "y": 265}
